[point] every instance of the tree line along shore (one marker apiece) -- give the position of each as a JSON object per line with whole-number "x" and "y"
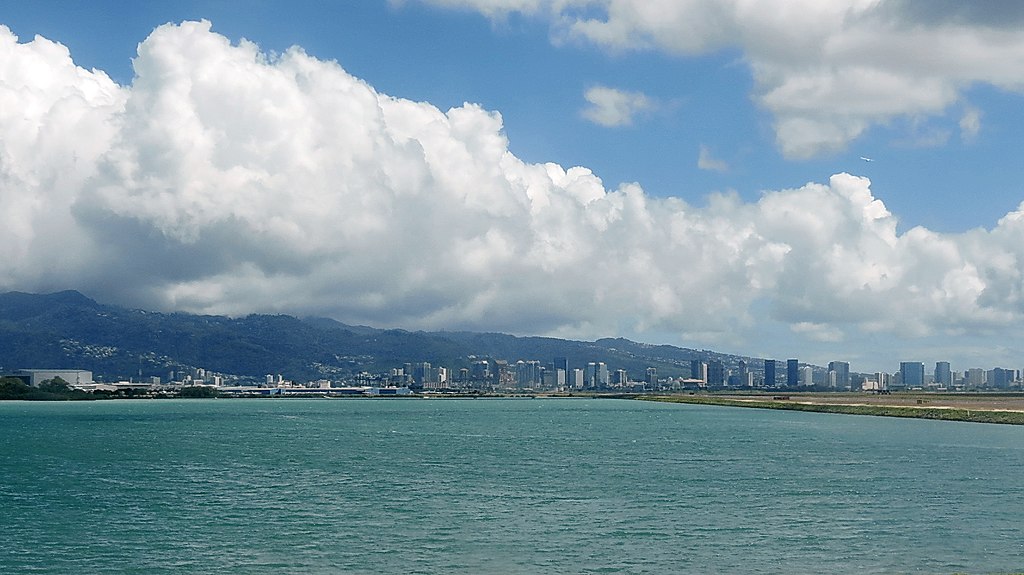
{"x": 56, "y": 389}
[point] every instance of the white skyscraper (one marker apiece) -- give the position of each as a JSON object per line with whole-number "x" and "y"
{"x": 807, "y": 376}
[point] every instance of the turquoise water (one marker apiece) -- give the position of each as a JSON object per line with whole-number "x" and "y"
{"x": 500, "y": 486}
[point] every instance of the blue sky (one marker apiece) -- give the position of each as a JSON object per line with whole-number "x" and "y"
{"x": 728, "y": 108}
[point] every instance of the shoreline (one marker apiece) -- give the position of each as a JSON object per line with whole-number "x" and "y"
{"x": 973, "y": 409}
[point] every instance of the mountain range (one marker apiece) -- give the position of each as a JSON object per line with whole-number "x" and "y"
{"x": 68, "y": 330}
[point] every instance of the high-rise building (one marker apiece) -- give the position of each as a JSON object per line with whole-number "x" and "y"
{"x": 974, "y": 377}
{"x": 597, "y": 375}
{"x": 807, "y": 376}
{"x": 561, "y": 363}
{"x": 536, "y": 372}
{"x": 440, "y": 377}
{"x": 521, "y": 375}
{"x": 422, "y": 374}
{"x": 481, "y": 370}
{"x": 742, "y": 377}
{"x": 603, "y": 377}
{"x": 560, "y": 378}
{"x": 792, "y": 372}
{"x": 528, "y": 373}
{"x": 651, "y": 376}
{"x": 1001, "y": 378}
{"x": 576, "y": 378}
{"x": 943, "y": 376}
{"x": 698, "y": 370}
{"x": 745, "y": 378}
{"x": 842, "y": 370}
{"x": 621, "y": 378}
{"x": 716, "y": 373}
{"x": 501, "y": 373}
{"x": 912, "y": 373}
{"x": 769, "y": 373}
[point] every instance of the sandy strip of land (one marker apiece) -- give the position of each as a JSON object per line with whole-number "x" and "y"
{"x": 974, "y": 402}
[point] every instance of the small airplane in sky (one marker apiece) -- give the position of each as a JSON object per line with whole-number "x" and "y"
{"x": 866, "y": 159}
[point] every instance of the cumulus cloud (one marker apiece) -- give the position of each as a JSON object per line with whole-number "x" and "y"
{"x": 227, "y": 180}
{"x": 705, "y": 161}
{"x": 826, "y": 71}
{"x": 56, "y": 121}
{"x": 611, "y": 107}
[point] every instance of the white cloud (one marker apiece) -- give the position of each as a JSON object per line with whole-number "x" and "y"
{"x": 919, "y": 133}
{"x": 611, "y": 107}
{"x": 224, "y": 180}
{"x": 705, "y": 161}
{"x": 817, "y": 331}
{"x": 56, "y": 120}
{"x": 970, "y": 124}
{"x": 826, "y": 71}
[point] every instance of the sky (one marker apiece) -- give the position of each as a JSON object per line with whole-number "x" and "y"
{"x": 794, "y": 179}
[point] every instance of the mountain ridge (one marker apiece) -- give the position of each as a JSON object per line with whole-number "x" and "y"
{"x": 68, "y": 329}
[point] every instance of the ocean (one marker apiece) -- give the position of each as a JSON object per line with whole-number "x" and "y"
{"x": 502, "y": 486}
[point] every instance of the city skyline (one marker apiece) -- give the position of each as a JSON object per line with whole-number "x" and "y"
{"x": 487, "y": 373}
{"x": 713, "y": 374}
{"x": 505, "y": 373}
{"x": 840, "y": 179}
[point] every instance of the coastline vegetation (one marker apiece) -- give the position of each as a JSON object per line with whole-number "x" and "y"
{"x": 51, "y": 390}
{"x": 808, "y": 404}
{"x": 56, "y": 389}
